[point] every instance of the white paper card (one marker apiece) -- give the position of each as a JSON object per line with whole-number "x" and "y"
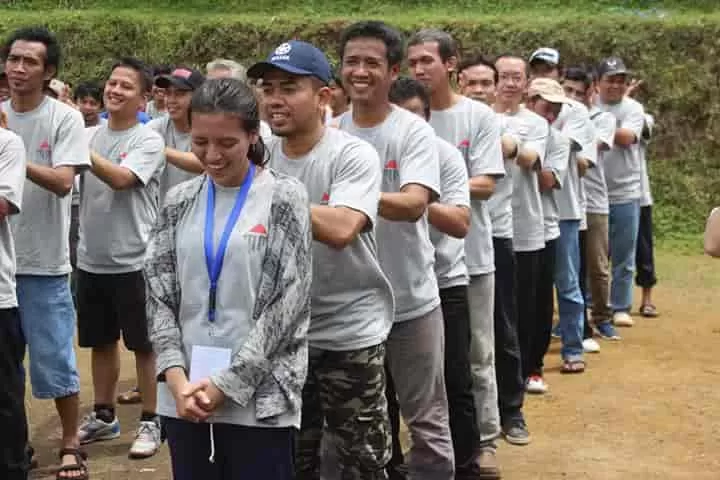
{"x": 208, "y": 361}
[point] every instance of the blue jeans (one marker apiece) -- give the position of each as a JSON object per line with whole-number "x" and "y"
{"x": 623, "y": 228}
{"x": 571, "y": 304}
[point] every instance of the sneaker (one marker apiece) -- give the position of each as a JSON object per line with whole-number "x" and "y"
{"x": 590, "y": 345}
{"x": 622, "y": 319}
{"x": 482, "y": 466}
{"x": 536, "y": 384}
{"x": 607, "y": 331}
{"x": 147, "y": 440}
{"x": 515, "y": 432}
{"x": 92, "y": 429}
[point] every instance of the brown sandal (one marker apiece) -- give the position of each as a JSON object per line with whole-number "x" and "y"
{"x": 649, "y": 311}
{"x": 80, "y": 465}
{"x": 130, "y": 397}
{"x": 572, "y": 366}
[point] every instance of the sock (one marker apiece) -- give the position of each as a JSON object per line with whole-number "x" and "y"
{"x": 106, "y": 413}
{"x": 148, "y": 417}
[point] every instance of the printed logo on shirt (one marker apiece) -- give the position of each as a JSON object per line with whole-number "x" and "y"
{"x": 325, "y": 199}
{"x": 464, "y": 147}
{"x": 391, "y": 171}
{"x": 257, "y": 237}
{"x": 122, "y": 156}
{"x": 43, "y": 152}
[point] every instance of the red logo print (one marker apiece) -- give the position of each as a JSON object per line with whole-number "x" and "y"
{"x": 325, "y": 198}
{"x": 44, "y": 146}
{"x": 259, "y": 229}
{"x": 391, "y": 165}
{"x": 123, "y": 155}
{"x": 464, "y": 144}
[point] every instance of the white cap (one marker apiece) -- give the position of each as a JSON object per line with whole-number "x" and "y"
{"x": 547, "y": 55}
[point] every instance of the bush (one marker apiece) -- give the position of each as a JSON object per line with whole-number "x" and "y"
{"x": 676, "y": 55}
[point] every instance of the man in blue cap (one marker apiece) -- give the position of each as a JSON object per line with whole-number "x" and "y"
{"x": 352, "y": 300}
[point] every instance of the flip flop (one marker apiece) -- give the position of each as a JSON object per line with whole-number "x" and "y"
{"x": 649, "y": 311}
{"x": 130, "y": 397}
{"x": 572, "y": 366}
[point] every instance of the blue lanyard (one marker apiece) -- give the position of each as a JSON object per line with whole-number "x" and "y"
{"x": 213, "y": 262}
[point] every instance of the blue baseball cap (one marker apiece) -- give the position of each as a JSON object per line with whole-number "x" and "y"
{"x": 296, "y": 57}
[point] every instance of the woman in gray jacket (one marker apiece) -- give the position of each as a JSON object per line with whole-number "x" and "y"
{"x": 228, "y": 270}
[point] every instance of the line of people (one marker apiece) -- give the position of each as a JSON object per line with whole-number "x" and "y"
{"x": 299, "y": 260}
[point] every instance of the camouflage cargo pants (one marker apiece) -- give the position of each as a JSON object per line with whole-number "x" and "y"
{"x": 345, "y": 394}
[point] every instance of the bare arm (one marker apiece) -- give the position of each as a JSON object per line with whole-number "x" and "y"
{"x": 116, "y": 177}
{"x": 407, "y": 205}
{"x": 186, "y": 161}
{"x": 625, "y": 137}
{"x": 509, "y": 146}
{"x": 547, "y": 180}
{"x": 527, "y": 158}
{"x": 583, "y": 165}
{"x": 336, "y": 227}
{"x": 712, "y": 234}
{"x": 58, "y": 180}
{"x": 453, "y": 220}
{"x": 482, "y": 187}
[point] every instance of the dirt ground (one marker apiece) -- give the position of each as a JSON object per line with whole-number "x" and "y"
{"x": 647, "y": 408}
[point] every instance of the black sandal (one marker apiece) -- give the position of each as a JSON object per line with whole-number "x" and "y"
{"x": 80, "y": 465}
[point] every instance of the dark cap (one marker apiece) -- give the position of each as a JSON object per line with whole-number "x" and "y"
{"x": 298, "y": 58}
{"x": 612, "y": 66}
{"x": 182, "y": 78}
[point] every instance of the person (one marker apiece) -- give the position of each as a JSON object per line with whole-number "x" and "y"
{"x": 579, "y": 84}
{"x": 623, "y": 175}
{"x": 88, "y": 98}
{"x": 371, "y": 53}
{"x": 14, "y": 461}
{"x": 157, "y": 106}
{"x": 339, "y": 101}
{"x": 232, "y": 349}
{"x": 181, "y": 165}
{"x": 646, "y": 278}
{"x": 117, "y": 209}
{"x": 516, "y": 205}
{"x": 56, "y": 149}
{"x": 477, "y": 79}
{"x": 449, "y": 220}
{"x": 712, "y": 233}
{"x": 344, "y": 404}
{"x": 472, "y": 127}
{"x": 224, "y": 68}
{"x": 4, "y": 86}
{"x": 545, "y": 63}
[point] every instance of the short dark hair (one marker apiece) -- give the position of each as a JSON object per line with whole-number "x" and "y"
{"x": 233, "y": 97}
{"x": 447, "y": 46}
{"x": 39, "y": 35}
{"x": 88, "y": 89}
{"x": 579, "y": 74}
{"x": 405, "y": 88}
{"x": 379, "y": 30}
{"x": 162, "y": 70}
{"x": 146, "y": 80}
{"x": 513, "y": 56}
{"x": 478, "y": 59}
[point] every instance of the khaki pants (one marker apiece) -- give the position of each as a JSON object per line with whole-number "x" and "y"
{"x": 598, "y": 266}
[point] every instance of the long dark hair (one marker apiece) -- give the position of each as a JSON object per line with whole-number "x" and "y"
{"x": 232, "y": 97}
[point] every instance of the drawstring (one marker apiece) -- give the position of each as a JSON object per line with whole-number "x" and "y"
{"x": 212, "y": 445}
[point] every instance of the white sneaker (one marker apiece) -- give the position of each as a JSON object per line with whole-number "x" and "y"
{"x": 623, "y": 319}
{"x": 591, "y": 346}
{"x": 536, "y": 385}
{"x": 147, "y": 440}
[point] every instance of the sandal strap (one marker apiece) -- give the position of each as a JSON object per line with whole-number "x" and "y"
{"x": 79, "y": 454}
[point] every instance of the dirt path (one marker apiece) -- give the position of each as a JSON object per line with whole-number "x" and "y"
{"x": 648, "y": 407}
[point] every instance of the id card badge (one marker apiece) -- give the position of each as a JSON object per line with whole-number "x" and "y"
{"x": 207, "y": 361}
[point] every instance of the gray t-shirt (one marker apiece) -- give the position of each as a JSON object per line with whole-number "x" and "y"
{"x": 54, "y": 136}
{"x": 153, "y": 112}
{"x": 527, "y": 214}
{"x": 12, "y": 182}
{"x": 237, "y": 286}
{"x": 177, "y": 140}
{"x": 115, "y": 225}
{"x": 623, "y": 172}
{"x": 646, "y": 200}
{"x": 574, "y": 122}
{"x": 408, "y": 155}
{"x": 594, "y": 179}
{"x": 500, "y": 204}
{"x": 450, "y": 267}
{"x": 352, "y": 300}
{"x": 557, "y": 155}
{"x": 474, "y": 129}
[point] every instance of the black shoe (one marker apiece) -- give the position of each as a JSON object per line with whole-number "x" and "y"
{"x": 515, "y": 432}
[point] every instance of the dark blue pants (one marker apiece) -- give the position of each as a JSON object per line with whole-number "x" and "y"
{"x": 240, "y": 452}
{"x": 13, "y": 422}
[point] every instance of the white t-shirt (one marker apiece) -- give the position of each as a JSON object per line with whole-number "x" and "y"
{"x": 646, "y": 200}
{"x": 450, "y": 267}
{"x": 557, "y": 156}
{"x": 500, "y": 204}
{"x": 474, "y": 129}
{"x": 352, "y": 300}
{"x": 408, "y": 155}
{"x": 623, "y": 171}
{"x": 54, "y": 136}
{"x": 115, "y": 225}
{"x": 12, "y": 182}
{"x": 594, "y": 179}
{"x": 177, "y": 140}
